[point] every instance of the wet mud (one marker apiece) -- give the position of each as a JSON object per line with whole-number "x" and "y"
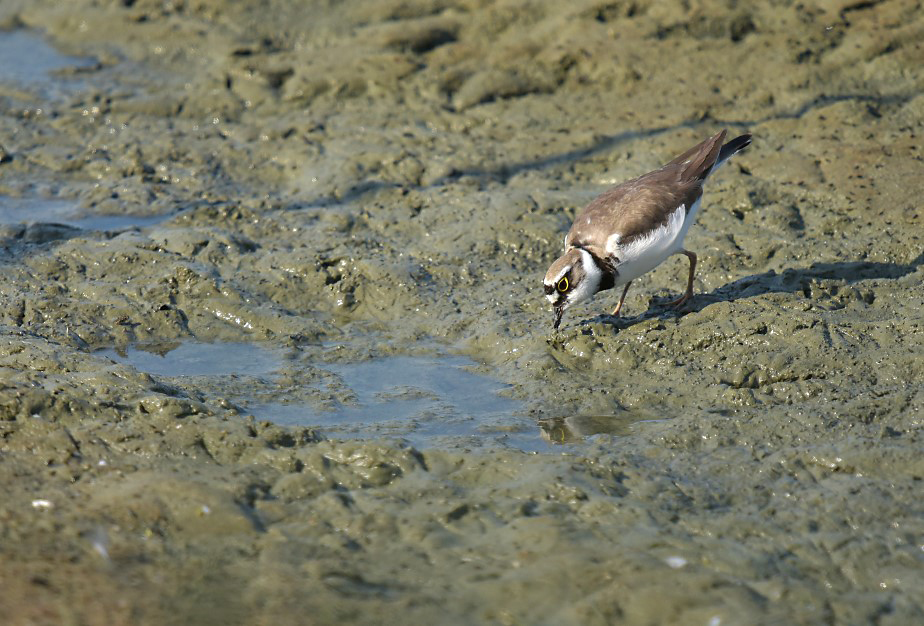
{"x": 334, "y": 186}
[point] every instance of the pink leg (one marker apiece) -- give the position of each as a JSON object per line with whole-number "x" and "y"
{"x": 689, "y": 292}
{"x": 621, "y": 300}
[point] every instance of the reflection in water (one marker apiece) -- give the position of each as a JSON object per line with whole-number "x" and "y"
{"x": 426, "y": 400}
{"x": 429, "y": 401}
{"x": 576, "y": 428}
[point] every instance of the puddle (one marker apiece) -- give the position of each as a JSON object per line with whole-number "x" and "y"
{"x": 422, "y": 399}
{"x": 28, "y": 61}
{"x": 49, "y": 210}
{"x": 199, "y": 359}
{"x": 429, "y": 401}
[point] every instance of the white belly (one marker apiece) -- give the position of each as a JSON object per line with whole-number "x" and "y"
{"x": 646, "y": 253}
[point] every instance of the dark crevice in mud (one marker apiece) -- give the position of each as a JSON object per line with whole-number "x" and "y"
{"x": 857, "y": 6}
{"x": 253, "y": 517}
{"x": 612, "y": 11}
{"x": 18, "y": 312}
{"x": 277, "y": 79}
{"x": 735, "y": 28}
{"x": 757, "y": 379}
{"x": 431, "y": 40}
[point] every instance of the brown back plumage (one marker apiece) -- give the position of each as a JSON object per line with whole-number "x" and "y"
{"x": 637, "y": 206}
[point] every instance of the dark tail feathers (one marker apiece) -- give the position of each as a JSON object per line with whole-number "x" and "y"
{"x": 735, "y": 145}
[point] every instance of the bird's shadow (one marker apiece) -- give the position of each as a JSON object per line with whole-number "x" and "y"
{"x": 790, "y": 280}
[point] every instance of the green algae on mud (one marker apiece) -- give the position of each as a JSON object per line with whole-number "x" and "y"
{"x": 389, "y": 175}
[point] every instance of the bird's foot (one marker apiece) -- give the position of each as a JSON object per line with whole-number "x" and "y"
{"x": 679, "y": 302}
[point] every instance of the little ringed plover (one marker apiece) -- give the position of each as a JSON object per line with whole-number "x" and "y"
{"x": 633, "y": 227}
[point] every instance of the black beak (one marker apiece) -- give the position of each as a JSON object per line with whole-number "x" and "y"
{"x": 559, "y": 311}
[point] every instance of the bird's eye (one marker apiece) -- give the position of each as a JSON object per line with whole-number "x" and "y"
{"x": 562, "y": 285}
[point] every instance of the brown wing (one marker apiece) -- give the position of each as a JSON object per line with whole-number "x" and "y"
{"x": 639, "y": 205}
{"x": 633, "y": 208}
{"x": 697, "y": 162}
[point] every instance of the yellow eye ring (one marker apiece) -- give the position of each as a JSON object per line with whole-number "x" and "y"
{"x": 562, "y": 285}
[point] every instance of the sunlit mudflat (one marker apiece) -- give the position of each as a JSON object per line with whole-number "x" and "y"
{"x": 368, "y": 186}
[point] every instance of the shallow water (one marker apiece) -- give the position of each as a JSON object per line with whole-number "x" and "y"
{"x": 49, "y": 210}
{"x": 27, "y": 60}
{"x": 199, "y": 359}
{"x": 427, "y": 400}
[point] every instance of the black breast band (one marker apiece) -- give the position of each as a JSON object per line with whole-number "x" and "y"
{"x": 608, "y": 281}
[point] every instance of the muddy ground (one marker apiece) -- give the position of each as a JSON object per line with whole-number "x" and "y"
{"x": 386, "y": 176}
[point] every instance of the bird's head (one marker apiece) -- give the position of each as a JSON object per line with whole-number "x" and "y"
{"x": 574, "y": 277}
